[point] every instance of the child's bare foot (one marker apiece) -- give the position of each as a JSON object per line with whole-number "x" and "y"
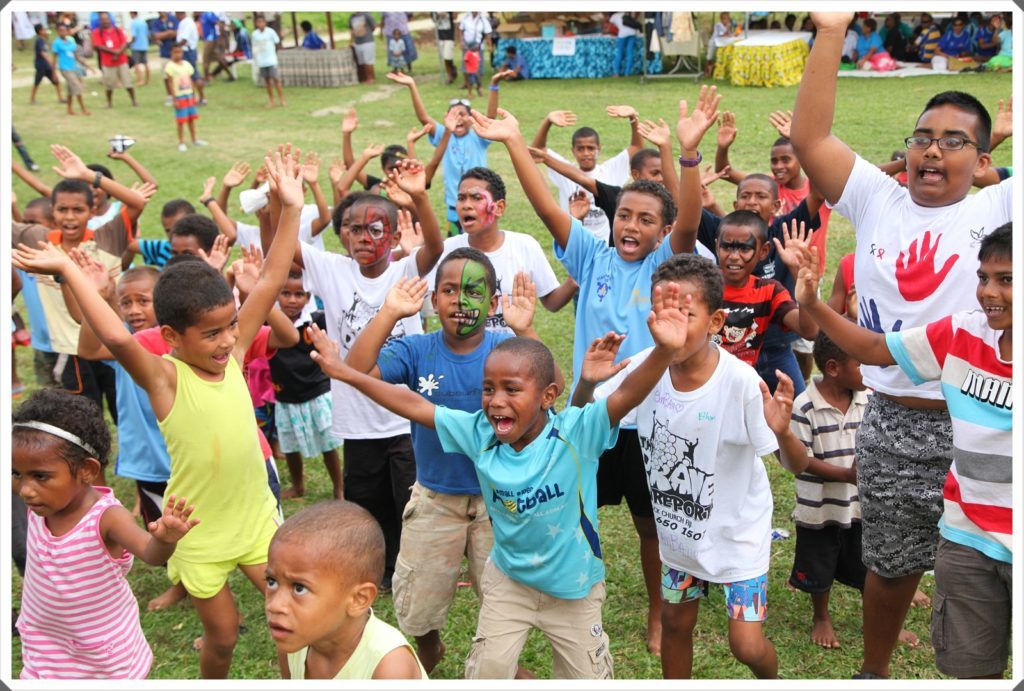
{"x": 908, "y": 638}
{"x": 523, "y": 673}
{"x": 294, "y": 492}
{"x": 167, "y": 598}
{"x": 654, "y": 634}
{"x": 430, "y": 655}
{"x": 86, "y": 112}
{"x": 823, "y": 634}
{"x": 283, "y": 104}
{"x": 920, "y": 599}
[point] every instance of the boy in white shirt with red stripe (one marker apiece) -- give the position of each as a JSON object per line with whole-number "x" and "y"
{"x": 969, "y": 352}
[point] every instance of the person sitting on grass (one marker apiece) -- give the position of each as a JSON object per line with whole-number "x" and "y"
{"x": 323, "y": 567}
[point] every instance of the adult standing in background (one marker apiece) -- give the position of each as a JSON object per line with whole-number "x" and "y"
{"x": 112, "y": 46}
{"x": 361, "y": 26}
{"x": 23, "y": 28}
{"x": 188, "y": 38}
{"x": 140, "y": 47}
{"x": 445, "y": 23}
{"x": 624, "y": 40}
{"x": 391, "y": 21}
{"x": 475, "y": 28}
{"x": 208, "y": 31}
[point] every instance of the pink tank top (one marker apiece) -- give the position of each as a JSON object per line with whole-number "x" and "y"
{"x": 79, "y": 618}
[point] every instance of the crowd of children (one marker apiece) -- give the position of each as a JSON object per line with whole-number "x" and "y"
{"x": 687, "y": 371}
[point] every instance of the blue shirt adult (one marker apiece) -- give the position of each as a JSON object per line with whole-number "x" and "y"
{"x": 64, "y": 49}
{"x": 425, "y": 364}
{"x": 36, "y": 315}
{"x": 615, "y": 294}
{"x": 463, "y": 153}
{"x": 955, "y": 44}
{"x": 542, "y": 500}
{"x": 168, "y": 24}
{"x": 208, "y": 26}
{"x": 520, "y": 62}
{"x": 140, "y": 34}
{"x": 141, "y": 451}
{"x": 866, "y": 43}
{"x": 984, "y": 33}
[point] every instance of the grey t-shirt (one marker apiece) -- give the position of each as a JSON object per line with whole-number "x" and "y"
{"x": 362, "y": 26}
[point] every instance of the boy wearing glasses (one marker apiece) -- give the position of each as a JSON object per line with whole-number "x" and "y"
{"x": 915, "y": 250}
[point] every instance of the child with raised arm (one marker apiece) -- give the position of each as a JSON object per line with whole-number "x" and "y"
{"x": 970, "y": 353}
{"x": 379, "y": 465}
{"x": 613, "y": 284}
{"x": 913, "y": 261}
{"x": 79, "y": 618}
{"x": 446, "y": 516}
{"x": 703, "y": 429}
{"x": 201, "y": 402}
{"x": 537, "y": 471}
{"x": 322, "y": 573}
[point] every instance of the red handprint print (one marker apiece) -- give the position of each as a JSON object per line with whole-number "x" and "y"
{"x": 915, "y": 268}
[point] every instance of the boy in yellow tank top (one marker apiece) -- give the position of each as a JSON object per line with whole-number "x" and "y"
{"x": 203, "y": 408}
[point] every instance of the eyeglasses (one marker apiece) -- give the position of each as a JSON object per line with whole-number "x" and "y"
{"x": 945, "y": 143}
{"x": 375, "y": 230}
{"x": 458, "y": 102}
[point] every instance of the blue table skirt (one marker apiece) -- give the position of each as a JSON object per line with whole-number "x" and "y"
{"x": 594, "y": 57}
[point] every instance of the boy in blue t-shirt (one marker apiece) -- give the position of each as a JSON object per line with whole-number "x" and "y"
{"x": 614, "y": 289}
{"x": 537, "y": 472}
{"x": 446, "y": 516}
{"x": 139, "y": 30}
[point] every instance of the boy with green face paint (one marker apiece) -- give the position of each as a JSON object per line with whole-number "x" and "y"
{"x": 446, "y": 516}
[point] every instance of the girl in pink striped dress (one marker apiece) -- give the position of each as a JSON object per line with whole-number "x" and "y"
{"x": 79, "y": 618}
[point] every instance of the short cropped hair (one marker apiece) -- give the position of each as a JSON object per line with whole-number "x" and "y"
{"x": 968, "y": 104}
{"x": 640, "y": 158}
{"x": 495, "y": 185}
{"x": 203, "y": 229}
{"x": 392, "y": 154}
{"x": 782, "y": 141}
{"x": 137, "y": 273}
{"x": 70, "y": 412}
{"x": 774, "y": 186}
{"x": 583, "y": 133}
{"x": 825, "y": 349}
{"x": 187, "y": 290}
{"x": 385, "y": 205}
{"x": 346, "y": 538}
{"x": 100, "y": 168}
{"x": 343, "y": 206}
{"x": 745, "y": 219}
{"x": 998, "y": 243}
{"x": 175, "y": 207}
{"x": 44, "y": 205}
{"x": 474, "y": 255}
{"x": 655, "y": 189}
{"x": 306, "y": 25}
{"x": 70, "y": 186}
{"x": 537, "y": 356}
{"x": 699, "y": 270}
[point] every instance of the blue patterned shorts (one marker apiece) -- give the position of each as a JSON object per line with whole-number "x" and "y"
{"x": 744, "y": 600}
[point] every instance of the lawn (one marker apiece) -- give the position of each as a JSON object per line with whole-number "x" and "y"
{"x": 873, "y": 115}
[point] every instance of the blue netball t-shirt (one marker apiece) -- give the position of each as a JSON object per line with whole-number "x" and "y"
{"x": 426, "y": 365}
{"x": 542, "y": 500}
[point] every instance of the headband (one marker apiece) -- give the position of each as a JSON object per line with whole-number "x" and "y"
{"x": 58, "y": 432}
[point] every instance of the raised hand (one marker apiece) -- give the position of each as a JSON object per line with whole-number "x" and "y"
{"x": 71, "y": 166}
{"x": 336, "y": 171}
{"x": 45, "y": 259}
{"x": 261, "y": 175}
{"x": 94, "y": 271}
{"x": 1002, "y": 124}
{"x": 579, "y": 204}
{"x": 710, "y": 175}
{"x": 218, "y": 255}
{"x": 539, "y": 155}
{"x": 599, "y": 361}
{"x": 562, "y": 118}
{"x": 247, "y": 269}
{"x": 146, "y": 189}
{"x": 284, "y": 173}
{"x": 778, "y": 409}
{"x": 395, "y": 193}
{"x": 503, "y": 130}
{"x": 327, "y": 354}
{"x": 117, "y": 155}
{"x": 405, "y": 298}
{"x": 518, "y": 308}
{"x": 208, "y": 186}
{"x": 410, "y": 176}
{"x": 417, "y": 133}
{"x": 659, "y": 135}
{"x": 175, "y": 522}
{"x": 726, "y": 129}
{"x": 807, "y": 276}
{"x": 691, "y": 126}
{"x": 669, "y": 317}
{"x": 796, "y": 239}
{"x": 781, "y": 120}
{"x": 373, "y": 151}
{"x": 311, "y": 168}
{"x": 503, "y": 74}
{"x": 411, "y": 235}
{"x": 349, "y": 122}
{"x": 237, "y": 174}
{"x": 621, "y": 111}
{"x": 399, "y": 78}
{"x": 452, "y": 118}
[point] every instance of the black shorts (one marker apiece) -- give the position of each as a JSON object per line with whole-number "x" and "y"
{"x": 44, "y": 73}
{"x": 826, "y": 554}
{"x": 621, "y": 473}
{"x": 151, "y": 499}
{"x": 93, "y": 379}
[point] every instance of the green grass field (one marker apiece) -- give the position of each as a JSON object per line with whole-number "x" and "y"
{"x": 873, "y": 115}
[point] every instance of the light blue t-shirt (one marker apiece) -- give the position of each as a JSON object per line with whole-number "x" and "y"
{"x": 542, "y": 500}
{"x": 463, "y": 153}
{"x": 866, "y": 43}
{"x": 64, "y": 49}
{"x": 1006, "y": 43}
{"x": 615, "y": 295}
{"x": 425, "y": 364}
{"x": 141, "y": 451}
{"x": 36, "y": 315}
{"x": 140, "y": 34}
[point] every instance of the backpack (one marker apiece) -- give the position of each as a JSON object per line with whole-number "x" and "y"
{"x": 84, "y": 44}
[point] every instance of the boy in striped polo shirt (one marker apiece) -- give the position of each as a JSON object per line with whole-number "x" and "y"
{"x": 969, "y": 352}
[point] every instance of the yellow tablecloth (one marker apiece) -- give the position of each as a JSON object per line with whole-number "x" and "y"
{"x": 778, "y": 65}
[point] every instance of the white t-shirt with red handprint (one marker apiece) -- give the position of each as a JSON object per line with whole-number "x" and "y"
{"x": 914, "y": 264}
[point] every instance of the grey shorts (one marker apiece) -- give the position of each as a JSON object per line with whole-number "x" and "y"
{"x": 366, "y": 53}
{"x": 268, "y": 72}
{"x": 970, "y": 612}
{"x": 141, "y": 57}
{"x": 903, "y": 456}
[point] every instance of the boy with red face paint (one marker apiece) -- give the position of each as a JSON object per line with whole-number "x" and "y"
{"x": 379, "y": 465}
{"x": 919, "y": 240}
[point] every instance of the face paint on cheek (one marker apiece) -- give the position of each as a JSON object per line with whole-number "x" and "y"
{"x": 485, "y": 207}
{"x": 376, "y": 221}
{"x": 474, "y": 298}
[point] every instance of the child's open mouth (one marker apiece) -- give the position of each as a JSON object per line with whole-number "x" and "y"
{"x": 931, "y": 174}
{"x": 629, "y": 243}
{"x": 502, "y": 425}
{"x": 466, "y": 316}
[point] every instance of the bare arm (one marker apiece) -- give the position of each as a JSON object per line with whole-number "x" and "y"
{"x": 793, "y": 455}
{"x": 283, "y": 333}
{"x": 726, "y": 136}
{"x": 118, "y": 527}
{"x": 826, "y": 159}
{"x": 565, "y": 169}
{"x": 225, "y": 225}
{"x": 492, "y": 96}
{"x": 690, "y": 130}
{"x": 414, "y": 93}
{"x": 140, "y": 170}
{"x": 837, "y": 300}
{"x": 31, "y": 179}
{"x": 560, "y": 296}
{"x": 561, "y": 118}
{"x": 431, "y": 169}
